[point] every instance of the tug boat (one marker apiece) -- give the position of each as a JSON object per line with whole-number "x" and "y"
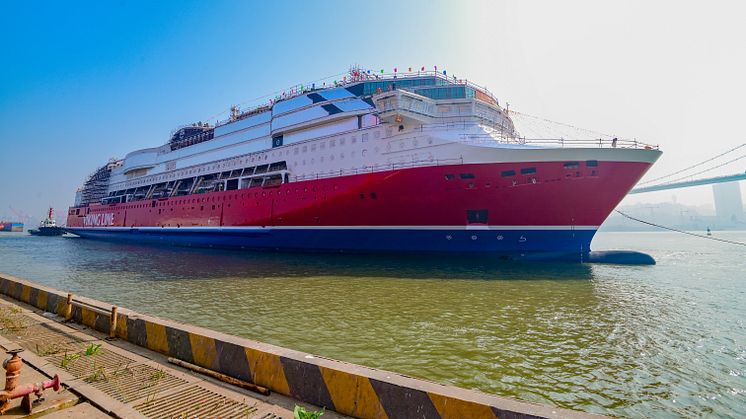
{"x": 414, "y": 162}
{"x": 48, "y": 227}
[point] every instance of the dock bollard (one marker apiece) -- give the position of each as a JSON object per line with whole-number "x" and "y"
{"x": 69, "y": 307}
{"x": 113, "y": 323}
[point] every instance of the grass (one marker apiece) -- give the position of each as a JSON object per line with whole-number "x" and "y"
{"x": 51, "y": 349}
{"x": 92, "y": 349}
{"x": 68, "y": 359}
{"x": 11, "y": 319}
{"x": 156, "y": 376}
{"x": 301, "y": 413}
{"x": 98, "y": 374}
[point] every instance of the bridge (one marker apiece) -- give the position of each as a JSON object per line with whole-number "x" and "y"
{"x": 710, "y": 171}
{"x": 725, "y": 188}
{"x": 687, "y": 179}
{"x": 688, "y": 183}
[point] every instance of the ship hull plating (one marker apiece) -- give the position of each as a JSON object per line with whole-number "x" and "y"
{"x": 519, "y": 210}
{"x": 513, "y": 243}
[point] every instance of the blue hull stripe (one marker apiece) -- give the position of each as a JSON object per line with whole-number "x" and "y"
{"x": 511, "y": 242}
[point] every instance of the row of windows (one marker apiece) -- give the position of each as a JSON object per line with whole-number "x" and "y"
{"x": 373, "y": 87}
{"x": 525, "y": 170}
{"x": 226, "y": 197}
{"x": 215, "y": 182}
{"x": 457, "y": 92}
{"x": 575, "y": 164}
{"x": 364, "y": 137}
{"x": 212, "y": 167}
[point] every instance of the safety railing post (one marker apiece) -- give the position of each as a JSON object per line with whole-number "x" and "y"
{"x": 113, "y": 322}
{"x": 69, "y": 307}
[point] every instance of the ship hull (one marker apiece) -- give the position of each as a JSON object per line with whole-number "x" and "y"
{"x": 47, "y": 231}
{"x": 517, "y": 210}
{"x": 512, "y": 242}
{"x": 11, "y": 226}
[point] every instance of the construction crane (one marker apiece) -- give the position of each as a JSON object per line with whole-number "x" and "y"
{"x": 21, "y": 216}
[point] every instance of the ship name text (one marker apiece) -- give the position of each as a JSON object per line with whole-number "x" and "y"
{"x": 97, "y": 220}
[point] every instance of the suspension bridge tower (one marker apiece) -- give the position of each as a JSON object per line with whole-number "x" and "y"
{"x": 728, "y": 202}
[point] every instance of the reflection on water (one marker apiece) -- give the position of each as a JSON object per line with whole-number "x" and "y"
{"x": 173, "y": 263}
{"x": 668, "y": 339}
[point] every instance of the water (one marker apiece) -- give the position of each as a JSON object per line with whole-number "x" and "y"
{"x": 666, "y": 340}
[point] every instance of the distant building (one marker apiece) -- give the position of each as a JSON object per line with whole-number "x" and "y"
{"x": 728, "y": 202}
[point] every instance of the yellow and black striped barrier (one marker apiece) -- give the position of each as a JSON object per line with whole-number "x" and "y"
{"x": 346, "y": 388}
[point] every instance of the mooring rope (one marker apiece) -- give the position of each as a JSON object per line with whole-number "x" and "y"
{"x": 682, "y": 231}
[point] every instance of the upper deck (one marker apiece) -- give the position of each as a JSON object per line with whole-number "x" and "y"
{"x": 412, "y": 119}
{"x": 361, "y": 84}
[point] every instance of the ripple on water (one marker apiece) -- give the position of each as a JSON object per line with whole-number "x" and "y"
{"x": 665, "y": 340}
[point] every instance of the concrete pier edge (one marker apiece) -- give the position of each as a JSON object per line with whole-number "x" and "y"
{"x": 349, "y": 389}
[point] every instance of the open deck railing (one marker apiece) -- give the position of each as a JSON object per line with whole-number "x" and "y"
{"x": 555, "y": 142}
{"x": 501, "y": 136}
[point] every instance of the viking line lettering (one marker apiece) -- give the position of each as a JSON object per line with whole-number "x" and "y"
{"x": 95, "y": 220}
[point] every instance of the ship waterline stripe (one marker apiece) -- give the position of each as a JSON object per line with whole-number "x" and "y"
{"x": 267, "y": 229}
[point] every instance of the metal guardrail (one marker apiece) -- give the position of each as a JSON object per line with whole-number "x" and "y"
{"x": 112, "y": 313}
{"x": 556, "y": 142}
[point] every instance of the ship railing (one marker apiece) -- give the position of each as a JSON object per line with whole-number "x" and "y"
{"x": 377, "y": 168}
{"x": 486, "y": 139}
{"x": 453, "y": 80}
{"x": 448, "y": 126}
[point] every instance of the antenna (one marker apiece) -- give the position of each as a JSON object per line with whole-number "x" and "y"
{"x": 235, "y": 112}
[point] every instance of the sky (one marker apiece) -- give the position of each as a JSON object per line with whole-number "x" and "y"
{"x": 81, "y": 82}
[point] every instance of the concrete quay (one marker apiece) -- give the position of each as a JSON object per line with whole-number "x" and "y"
{"x": 117, "y": 378}
{"x": 130, "y": 376}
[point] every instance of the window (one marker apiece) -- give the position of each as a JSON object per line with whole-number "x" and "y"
{"x": 450, "y": 176}
{"x": 476, "y": 216}
{"x": 528, "y": 170}
{"x": 466, "y": 176}
{"x": 506, "y": 173}
{"x": 572, "y": 165}
{"x": 591, "y": 163}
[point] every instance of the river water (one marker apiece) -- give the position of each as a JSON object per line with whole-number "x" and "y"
{"x": 667, "y": 340}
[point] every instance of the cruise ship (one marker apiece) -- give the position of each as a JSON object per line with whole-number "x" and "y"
{"x": 408, "y": 162}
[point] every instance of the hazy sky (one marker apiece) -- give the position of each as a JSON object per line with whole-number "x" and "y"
{"x": 82, "y": 82}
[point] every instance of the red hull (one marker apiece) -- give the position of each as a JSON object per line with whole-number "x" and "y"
{"x": 429, "y": 196}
